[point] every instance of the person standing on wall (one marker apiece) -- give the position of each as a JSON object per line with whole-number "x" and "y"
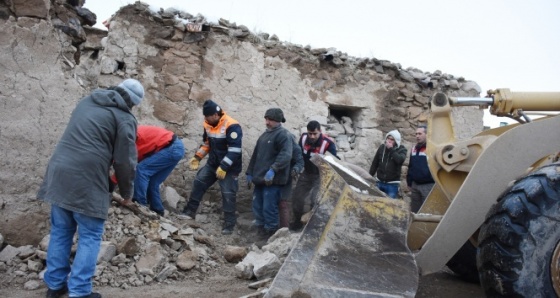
{"x": 312, "y": 143}
{"x": 269, "y": 171}
{"x": 419, "y": 179}
{"x": 101, "y": 132}
{"x": 387, "y": 164}
{"x": 159, "y": 151}
{"x": 222, "y": 143}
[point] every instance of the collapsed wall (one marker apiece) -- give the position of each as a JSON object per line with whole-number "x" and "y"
{"x": 50, "y": 58}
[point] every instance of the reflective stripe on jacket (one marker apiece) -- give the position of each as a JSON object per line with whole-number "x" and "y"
{"x": 222, "y": 144}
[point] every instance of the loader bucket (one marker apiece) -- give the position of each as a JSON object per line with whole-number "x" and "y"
{"x": 354, "y": 244}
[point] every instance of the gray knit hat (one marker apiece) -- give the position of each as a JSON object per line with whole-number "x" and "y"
{"x": 134, "y": 90}
{"x": 275, "y": 114}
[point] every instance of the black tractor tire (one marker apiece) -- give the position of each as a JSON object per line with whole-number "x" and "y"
{"x": 518, "y": 240}
{"x": 463, "y": 263}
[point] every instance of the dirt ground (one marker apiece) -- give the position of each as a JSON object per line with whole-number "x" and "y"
{"x": 225, "y": 284}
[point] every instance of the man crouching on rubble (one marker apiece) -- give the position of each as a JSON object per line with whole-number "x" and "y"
{"x": 101, "y": 132}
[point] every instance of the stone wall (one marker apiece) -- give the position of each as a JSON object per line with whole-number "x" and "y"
{"x": 51, "y": 58}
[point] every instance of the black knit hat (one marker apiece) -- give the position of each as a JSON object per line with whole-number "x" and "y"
{"x": 210, "y": 108}
{"x": 275, "y": 114}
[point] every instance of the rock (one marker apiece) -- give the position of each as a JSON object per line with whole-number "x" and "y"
{"x": 128, "y": 246}
{"x": 234, "y": 254}
{"x": 471, "y": 86}
{"x": 265, "y": 264}
{"x": 244, "y": 270}
{"x": 119, "y": 259}
{"x": 44, "y": 244}
{"x": 88, "y": 17}
{"x": 166, "y": 272}
{"x": 203, "y": 239}
{"x": 342, "y": 143}
{"x": 30, "y": 8}
{"x": 169, "y": 227}
{"x": 107, "y": 251}
{"x": 32, "y": 285}
{"x": 187, "y": 260}
{"x": 152, "y": 260}
{"x": 281, "y": 243}
{"x": 34, "y": 266}
{"x": 8, "y": 253}
{"x": 41, "y": 254}
{"x": 131, "y": 220}
{"x": 171, "y": 198}
{"x": 26, "y": 251}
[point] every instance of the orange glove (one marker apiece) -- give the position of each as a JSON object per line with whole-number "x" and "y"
{"x": 193, "y": 163}
{"x": 220, "y": 174}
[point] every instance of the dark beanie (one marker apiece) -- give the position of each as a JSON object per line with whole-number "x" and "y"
{"x": 275, "y": 114}
{"x": 210, "y": 108}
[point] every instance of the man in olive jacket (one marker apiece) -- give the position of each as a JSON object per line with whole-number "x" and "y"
{"x": 269, "y": 170}
{"x": 387, "y": 164}
{"x": 101, "y": 132}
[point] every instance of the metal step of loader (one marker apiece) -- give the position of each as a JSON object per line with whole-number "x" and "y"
{"x": 354, "y": 245}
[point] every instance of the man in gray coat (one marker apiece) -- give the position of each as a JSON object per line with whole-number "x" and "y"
{"x": 101, "y": 132}
{"x": 269, "y": 170}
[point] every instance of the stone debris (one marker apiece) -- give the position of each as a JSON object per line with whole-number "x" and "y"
{"x": 129, "y": 257}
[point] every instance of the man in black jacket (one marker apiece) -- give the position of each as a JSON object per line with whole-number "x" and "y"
{"x": 269, "y": 170}
{"x": 387, "y": 164}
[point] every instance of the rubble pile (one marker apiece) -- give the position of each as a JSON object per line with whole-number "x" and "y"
{"x": 140, "y": 249}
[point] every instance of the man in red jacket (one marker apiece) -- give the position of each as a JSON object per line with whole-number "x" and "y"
{"x": 159, "y": 151}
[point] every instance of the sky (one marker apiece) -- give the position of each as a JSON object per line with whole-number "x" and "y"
{"x": 511, "y": 44}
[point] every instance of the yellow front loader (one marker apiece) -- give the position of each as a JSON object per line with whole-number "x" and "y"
{"x": 493, "y": 215}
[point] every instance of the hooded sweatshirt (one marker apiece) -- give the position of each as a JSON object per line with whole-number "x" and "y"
{"x": 387, "y": 163}
{"x": 101, "y": 132}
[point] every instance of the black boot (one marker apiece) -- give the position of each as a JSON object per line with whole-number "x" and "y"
{"x": 229, "y": 223}
{"x": 57, "y": 293}
{"x": 228, "y": 229}
{"x": 296, "y": 226}
{"x": 263, "y": 237}
{"x": 187, "y": 214}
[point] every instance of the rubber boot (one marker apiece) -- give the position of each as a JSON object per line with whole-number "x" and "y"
{"x": 284, "y": 213}
{"x": 296, "y": 225}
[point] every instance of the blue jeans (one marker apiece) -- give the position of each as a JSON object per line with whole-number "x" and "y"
{"x": 265, "y": 206}
{"x": 391, "y": 189}
{"x": 206, "y": 177}
{"x": 152, "y": 171}
{"x": 78, "y": 275}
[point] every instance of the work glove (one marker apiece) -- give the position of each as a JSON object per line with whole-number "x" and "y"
{"x": 249, "y": 181}
{"x": 268, "y": 177}
{"x": 193, "y": 163}
{"x": 220, "y": 174}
